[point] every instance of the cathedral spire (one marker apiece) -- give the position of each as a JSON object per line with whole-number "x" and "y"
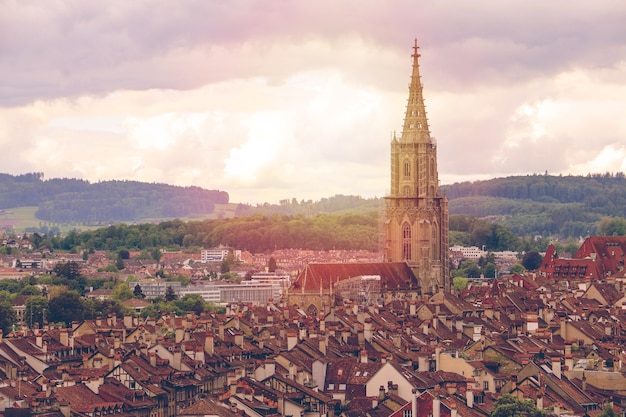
{"x": 415, "y": 121}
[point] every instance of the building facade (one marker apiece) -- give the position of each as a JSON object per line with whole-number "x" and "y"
{"x": 416, "y": 215}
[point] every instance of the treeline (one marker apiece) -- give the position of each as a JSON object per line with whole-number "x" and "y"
{"x": 256, "y": 234}
{"x": 559, "y": 206}
{"x": 73, "y": 201}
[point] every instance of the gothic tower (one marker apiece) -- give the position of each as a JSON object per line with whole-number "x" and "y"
{"x": 416, "y": 216}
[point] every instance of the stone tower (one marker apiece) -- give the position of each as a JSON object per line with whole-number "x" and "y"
{"x": 416, "y": 215}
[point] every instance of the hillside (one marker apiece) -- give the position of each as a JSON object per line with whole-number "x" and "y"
{"x": 563, "y": 206}
{"x": 74, "y": 201}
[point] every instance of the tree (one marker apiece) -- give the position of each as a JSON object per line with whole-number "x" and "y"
{"x": 121, "y": 292}
{"x": 156, "y": 254}
{"x": 119, "y": 263}
{"x": 532, "y": 260}
{"x": 192, "y": 302}
{"x": 271, "y": 264}
{"x": 459, "y": 283}
{"x": 36, "y": 310}
{"x": 608, "y": 411}
{"x": 7, "y": 316}
{"x": 124, "y": 254}
{"x": 518, "y": 268}
{"x": 137, "y": 293}
{"x": 67, "y": 307}
{"x": 170, "y": 294}
{"x": 509, "y": 406}
{"x": 69, "y": 270}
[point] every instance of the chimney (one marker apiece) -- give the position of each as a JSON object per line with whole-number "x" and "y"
{"x": 414, "y": 402}
{"x": 98, "y": 321}
{"x": 109, "y": 321}
{"x": 39, "y": 340}
{"x": 367, "y": 329}
{"x": 381, "y": 393}
{"x": 412, "y": 307}
{"x": 469, "y": 398}
{"x": 65, "y": 341}
{"x": 436, "y": 407}
{"x": 292, "y": 340}
{"x": 539, "y": 401}
{"x": 453, "y": 411}
{"x": 363, "y": 356}
{"x": 556, "y": 366}
{"x": 128, "y": 321}
{"x": 322, "y": 344}
{"x": 239, "y": 338}
{"x": 64, "y": 408}
{"x": 220, "y": 331}
{"x": 563, "y": 328}
{"x": 584, "y": 379}
{"x": 177, "y": 359}
{"x": 209, "y": 347}
{"x": 292, "y": 371}
{"x": 153, "y": 359}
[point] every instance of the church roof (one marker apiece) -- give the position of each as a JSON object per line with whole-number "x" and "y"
{"x": 393, "y": 275}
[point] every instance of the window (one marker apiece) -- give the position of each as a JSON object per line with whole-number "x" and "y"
{"x": 342, "y": 387}
{"x": 331, "y": 386}
{"x": 407, "y": 413}
{"x": 407, "y": 169}
{"x": 406, "y": 241}
{"x": 486, "y": 385}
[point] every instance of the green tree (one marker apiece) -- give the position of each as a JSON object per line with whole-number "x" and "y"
{"x": 532, "y": 260}
{"x": 608, "y": 411}
{"x": 119, "y": 263}
{"x": 192, "y": 302}
{"x": 170, "y": 294}
{"x": 156, "y": 254}
{"x": 124, "y": 254}
{"x": 518, "y": 268}
{"x": 30, "y": 290}
{"x": 509, "y": 406}
{"x": 459, "y": 283}
{"x": 7, "y": 316}
{"x": 271, "y": 264}
{"x": 490, "y": 270}
{"x": 69, "y": 270}
{"x": 67, "y": 307}
{"x": 36, "y": 310}
{"x": 121, "y": 292}
{"x": 137, "y": 292}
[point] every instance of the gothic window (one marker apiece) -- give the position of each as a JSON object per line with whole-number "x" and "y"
{"x": 407, "y": 169}
{"x": 407, "y": 191}
{"x": 406, "y": 241}
{"x": 419, "y": 125}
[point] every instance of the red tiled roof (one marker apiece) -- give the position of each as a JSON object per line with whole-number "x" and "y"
{"x": 394, "y": 275}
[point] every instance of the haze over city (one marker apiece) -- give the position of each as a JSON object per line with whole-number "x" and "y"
{"x": 272, "y": 100}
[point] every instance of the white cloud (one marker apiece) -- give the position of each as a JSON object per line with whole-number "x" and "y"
{"x": 271, "y": 100}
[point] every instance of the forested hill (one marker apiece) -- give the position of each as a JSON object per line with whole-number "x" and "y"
{"x": 74, "y": 200}
{"x": 543, "y": 204}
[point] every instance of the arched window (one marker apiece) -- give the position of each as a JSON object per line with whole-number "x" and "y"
{"x": 406, "y": 241}
{"x": 407, "y": 169}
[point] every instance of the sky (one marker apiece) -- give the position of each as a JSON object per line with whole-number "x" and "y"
{"x": 280, "y": 99}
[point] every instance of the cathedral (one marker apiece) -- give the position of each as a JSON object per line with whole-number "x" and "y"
{"x": 416, "y": 221}
{"x": 416, "y": 215}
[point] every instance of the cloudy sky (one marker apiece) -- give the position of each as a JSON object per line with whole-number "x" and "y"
{"x": 280, "y": 99}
